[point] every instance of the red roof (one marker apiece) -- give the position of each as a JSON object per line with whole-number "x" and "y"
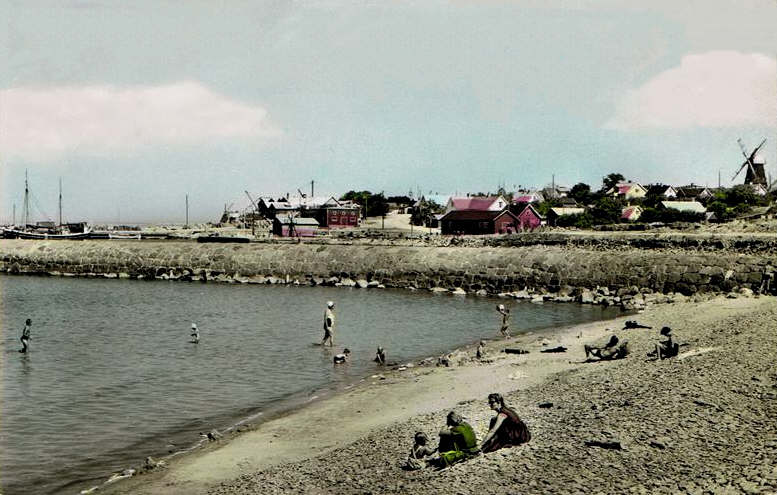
{"x": 627, "y": 212}
{"x": 624, "y": 189}
{"x": 529, "y": 209}
{"x": 471, "y": 215}
{"x": 481, "y": 204}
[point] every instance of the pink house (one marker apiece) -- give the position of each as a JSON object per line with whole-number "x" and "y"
{"x": 631, "y": 213}
{"x": 529, "y": 218}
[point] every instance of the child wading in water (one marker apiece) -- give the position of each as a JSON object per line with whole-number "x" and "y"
{"x": 505, "y": 328}
{"x": 25, "y": 336}
{"x": 342, "y": 358}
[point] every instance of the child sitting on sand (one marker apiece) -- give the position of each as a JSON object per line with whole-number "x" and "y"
{"x": 418, "y": 452}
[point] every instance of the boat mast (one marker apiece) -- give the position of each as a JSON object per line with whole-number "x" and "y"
{"x": 26, "y": 212}
{"x": 187, "y": 212}
{"x": 60, "y": 201}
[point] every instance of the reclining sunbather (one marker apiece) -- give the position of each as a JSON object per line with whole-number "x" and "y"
{"x": 611, "y": 350}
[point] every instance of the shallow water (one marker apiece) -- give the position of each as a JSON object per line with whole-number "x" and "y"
{"x": 112, "y": 378}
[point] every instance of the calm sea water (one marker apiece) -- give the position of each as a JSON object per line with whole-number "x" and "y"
{"x": 111, "y": 377}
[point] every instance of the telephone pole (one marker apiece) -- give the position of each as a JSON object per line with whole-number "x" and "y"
{"x": 60, "y": 201}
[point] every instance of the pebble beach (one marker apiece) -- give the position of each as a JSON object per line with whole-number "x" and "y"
{"x": 702, "y": 422}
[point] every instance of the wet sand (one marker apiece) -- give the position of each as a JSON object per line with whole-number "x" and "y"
{"x": 701, "y": 422}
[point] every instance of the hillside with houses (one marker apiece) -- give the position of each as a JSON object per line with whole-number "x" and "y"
{"x": 619, "y": 204}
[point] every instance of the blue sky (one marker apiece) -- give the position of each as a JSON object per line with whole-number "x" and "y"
{"x": 137, "y": 104}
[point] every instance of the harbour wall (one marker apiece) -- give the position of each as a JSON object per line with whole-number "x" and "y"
{"x": 586, "y": 273}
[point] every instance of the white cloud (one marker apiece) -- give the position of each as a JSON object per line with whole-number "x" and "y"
{"x": 713, "y": 89}
{"x": 43, "y": 123}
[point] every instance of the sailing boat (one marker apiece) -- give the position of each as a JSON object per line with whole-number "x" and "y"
{"x": 38, "y": 232}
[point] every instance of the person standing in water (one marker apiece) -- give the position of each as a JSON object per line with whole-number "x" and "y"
{"x": 25, "y": 335}
{"x": 505, "y": 328}
{"x": 329, "y": 324}
{"x": 195, "y": 334}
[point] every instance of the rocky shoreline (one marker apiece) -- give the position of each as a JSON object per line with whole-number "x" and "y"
{"x": 698, "y": 423}
{"x": 571, "y": 268}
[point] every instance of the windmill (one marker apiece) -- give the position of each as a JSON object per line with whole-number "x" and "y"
{"x": 755, "y": 163}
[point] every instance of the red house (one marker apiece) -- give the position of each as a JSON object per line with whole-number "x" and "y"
{"x": 529, "y": 218}
{"x": 478, "y": 222}
{"x": 341, "y": 217}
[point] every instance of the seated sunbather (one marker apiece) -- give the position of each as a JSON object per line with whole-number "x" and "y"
{"x": 457, "y": 442}
{"x": 506, "y": 429}
{"x": 666, "y": 348}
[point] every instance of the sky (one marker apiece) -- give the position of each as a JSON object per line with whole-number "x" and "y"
{"x": 135, "y": 105}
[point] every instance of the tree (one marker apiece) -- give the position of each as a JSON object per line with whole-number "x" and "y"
{"x": 611, "y": 180}
{"x": 582, "y": 220}
{"x": 400, "y": 200}
{"x": 581, "y": 193}
{"x": 544, "y": 207}
{"x": 741, "y": 194}
{"x": 721, "y": 211}
{"x": 607, "y": 210}
{"x": 373, "y": 205}
{"x": 423, "y": 213}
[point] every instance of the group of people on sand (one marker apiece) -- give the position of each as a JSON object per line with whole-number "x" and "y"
{"x": 617, "y": 349}
{"x": 458, "y": 441}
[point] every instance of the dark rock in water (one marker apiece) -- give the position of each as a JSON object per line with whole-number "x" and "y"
{"x": 545, "y": 405}
{"x": 213, "y": 435}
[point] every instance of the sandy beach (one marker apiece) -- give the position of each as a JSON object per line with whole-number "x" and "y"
{"x": 701, "y": 422}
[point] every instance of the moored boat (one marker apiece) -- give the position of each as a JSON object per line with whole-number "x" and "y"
{"x": 23, "y": 234}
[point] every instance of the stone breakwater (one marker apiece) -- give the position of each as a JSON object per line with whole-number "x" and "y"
{"x": 626, "y": 276}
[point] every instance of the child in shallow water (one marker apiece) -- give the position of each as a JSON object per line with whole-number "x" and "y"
{"x": 342, "y": 357}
